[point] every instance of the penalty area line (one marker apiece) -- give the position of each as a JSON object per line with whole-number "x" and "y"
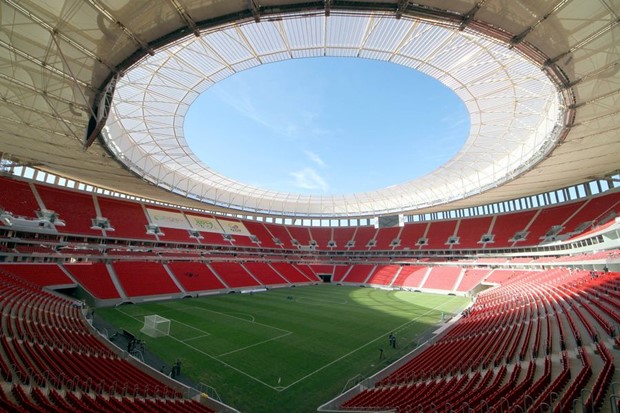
{"x": 217, "y": 359}
{"x": 195, "y": 338}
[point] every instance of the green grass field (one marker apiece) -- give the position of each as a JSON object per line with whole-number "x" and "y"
{"x": 287, "y": 350}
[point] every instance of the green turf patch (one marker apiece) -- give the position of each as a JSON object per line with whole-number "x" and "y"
{"x": 288, "y": 350}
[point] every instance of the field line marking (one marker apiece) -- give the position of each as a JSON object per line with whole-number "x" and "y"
{"x": 243, "y": 319}
{"x": 255, "y": 344}
{"x": 215, "y": 357}
{"x": 381, "y": 337}
{"x": 280, "y": 388}
{"x": 223, "y": 362}
{"x": 253, "y": 319}
{"x": 206, "y": 333}
{"x": 195, "y": 338}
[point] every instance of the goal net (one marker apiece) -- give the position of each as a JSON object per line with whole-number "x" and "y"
{"x": 156, "y": 326}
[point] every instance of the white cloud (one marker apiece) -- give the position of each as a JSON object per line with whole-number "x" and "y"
{"x": 309, "y": 117}
{"x": 454, "y": 121}
{"x": 315, "y": 158}
{"x": 308, "y": 178}
{"x": 243, "y": 103}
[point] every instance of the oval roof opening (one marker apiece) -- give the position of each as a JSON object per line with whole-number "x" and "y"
{"x": 326, "y": 125}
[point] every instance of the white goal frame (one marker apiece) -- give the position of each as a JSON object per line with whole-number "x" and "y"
{"x": 156, "y": 326}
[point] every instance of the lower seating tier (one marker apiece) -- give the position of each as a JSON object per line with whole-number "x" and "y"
{"x": 512, "y": 350}
{"x": 53, "y": 362}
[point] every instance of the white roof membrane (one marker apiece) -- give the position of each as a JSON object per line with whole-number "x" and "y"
{"x": 516, "y": 112}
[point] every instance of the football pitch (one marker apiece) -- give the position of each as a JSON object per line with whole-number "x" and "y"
{"x": 291, "y": 349}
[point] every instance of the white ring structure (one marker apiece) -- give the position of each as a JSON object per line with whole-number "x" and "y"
{"x": 516, "y": 111}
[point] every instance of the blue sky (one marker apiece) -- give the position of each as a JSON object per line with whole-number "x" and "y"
{"x": 326, "y": 125}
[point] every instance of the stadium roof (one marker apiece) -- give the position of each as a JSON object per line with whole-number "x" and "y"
{"x": 541, "y": 81}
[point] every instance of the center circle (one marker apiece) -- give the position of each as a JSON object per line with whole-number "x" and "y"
{"x": 326, "y": 125}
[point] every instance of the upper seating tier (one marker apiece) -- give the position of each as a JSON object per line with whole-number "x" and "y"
{"x": 127, "y": 218}
{"x": 386, "y": 238}
{"x": 506, "y": 226}
{"x": 75, "y": 209}
{"x": 301, "y": 235}
{"x": 261, "y": 232}
{"x": 17, "y": 198}
{"x": 282, "y": 235}
{"x": 411, "y": 234}
{"x": 342, "y": 236}
{"x": 593, "y": 211}
{"x": 550, "y": 218}
{"x": 322, "y": 237}
{"x": 471, "y": 231}
{"x": 438, "y": 234}
{"x": 363, "y": 238}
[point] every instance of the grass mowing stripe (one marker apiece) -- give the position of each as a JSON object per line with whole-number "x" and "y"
{"x": 312, "y": 300}
{"x": 208, "y": 355}
{"x": 224, "y": 363}
{"x": 242, "y": 319}
{"x": 330, "y": 342}
{"x": 381, "y": 337}
{"x": 282, "y": 388}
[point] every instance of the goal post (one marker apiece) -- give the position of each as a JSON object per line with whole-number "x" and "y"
{"x": 156, "y": 326}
